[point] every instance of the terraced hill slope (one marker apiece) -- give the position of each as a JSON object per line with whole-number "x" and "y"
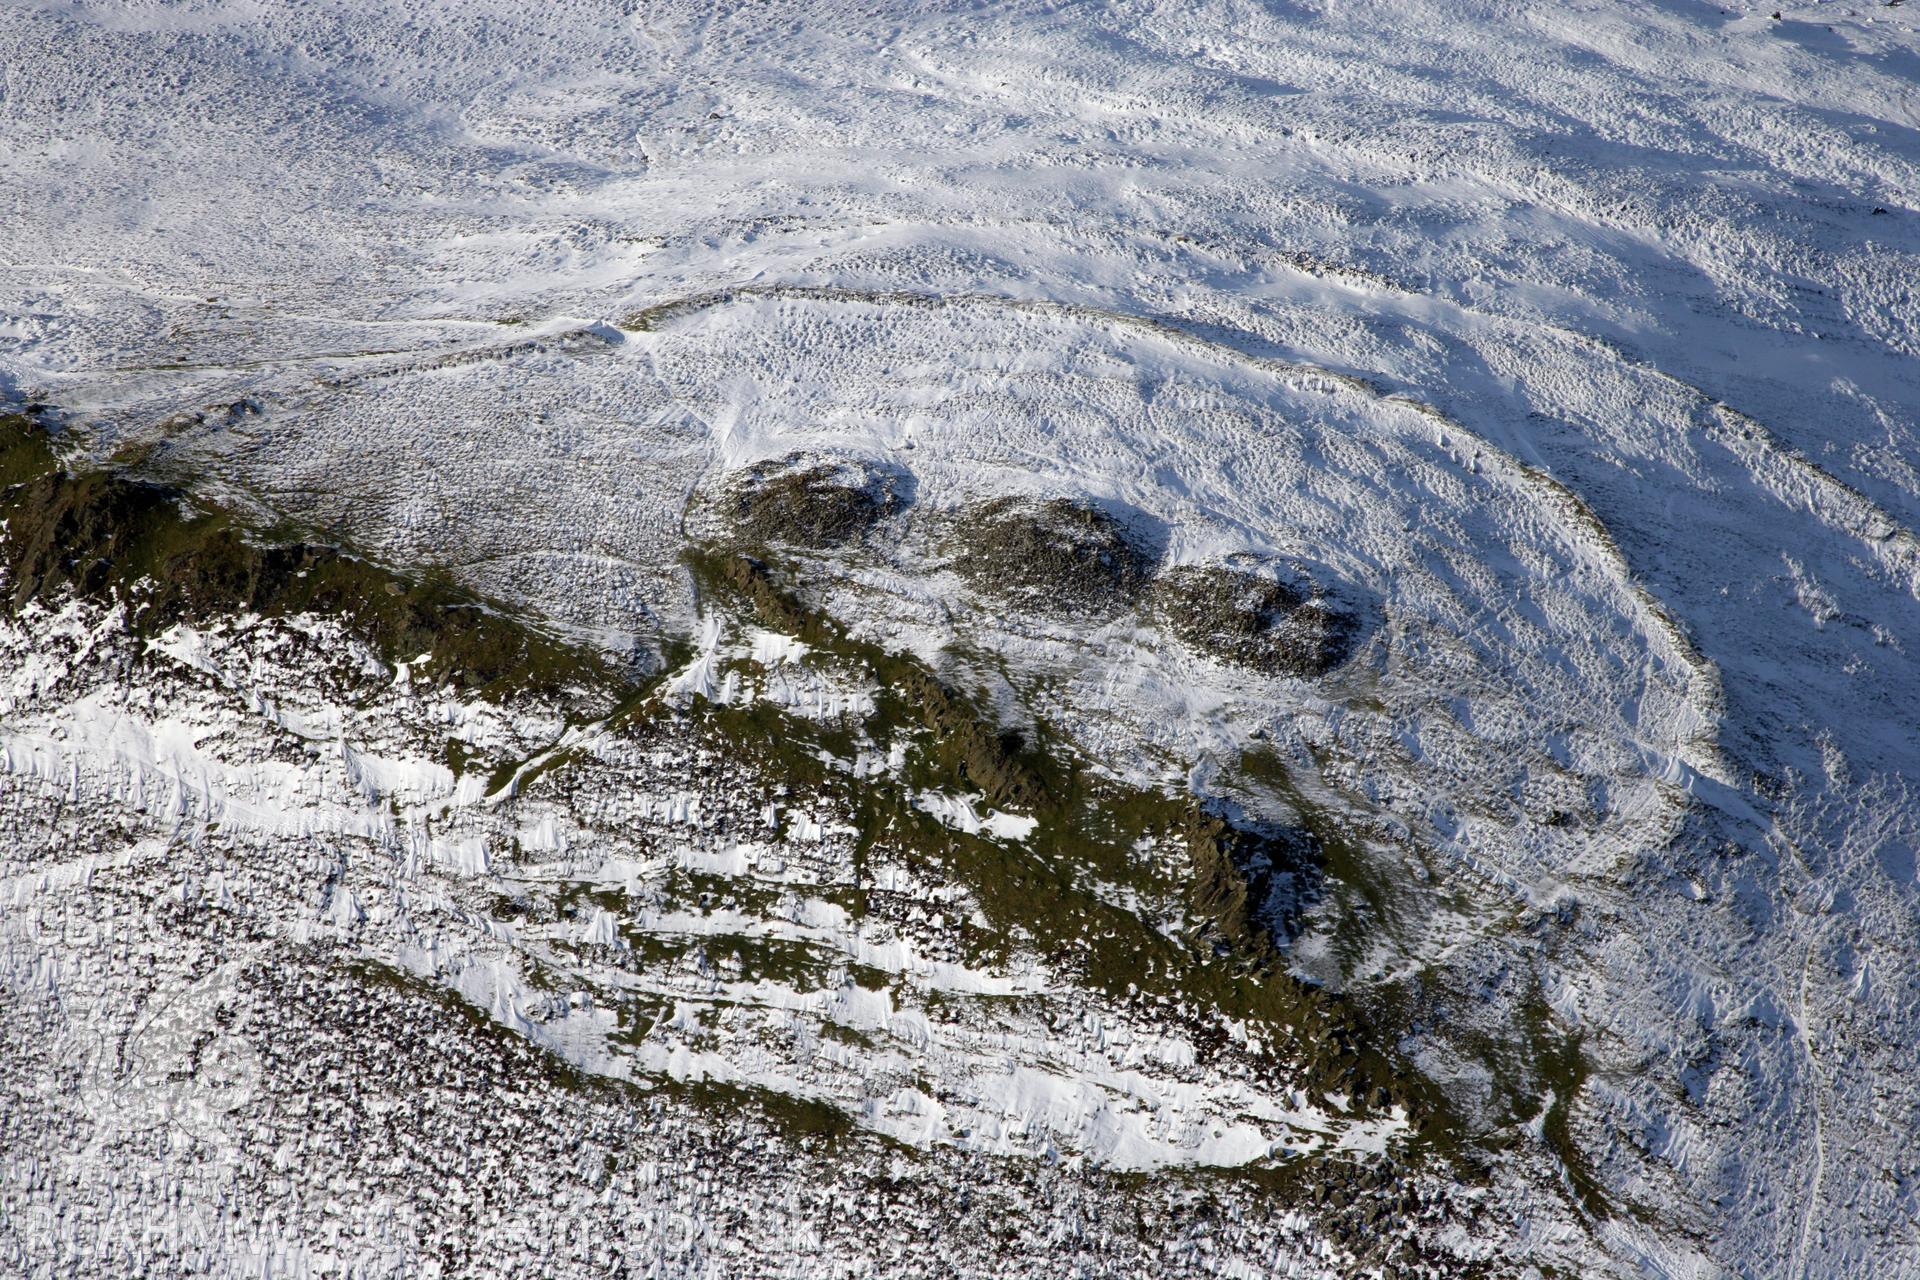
{"x": 1201, "y": 638}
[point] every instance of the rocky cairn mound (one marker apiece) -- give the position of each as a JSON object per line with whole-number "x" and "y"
{"x": 1255, "y": 618}
{"x": 1056, "y": 555}
{"x": 812, "y": 502}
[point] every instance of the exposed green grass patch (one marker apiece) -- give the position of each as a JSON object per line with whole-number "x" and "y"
{"x": 1562, "y": 1071}
{"x": 1046, "y": 888}
{"x": 110, "y": 535}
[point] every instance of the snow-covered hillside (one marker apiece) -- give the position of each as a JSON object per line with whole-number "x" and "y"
{"x": 1567, "y": 351}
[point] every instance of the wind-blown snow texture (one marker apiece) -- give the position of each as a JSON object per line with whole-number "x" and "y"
{"x": 1574, "y": 345}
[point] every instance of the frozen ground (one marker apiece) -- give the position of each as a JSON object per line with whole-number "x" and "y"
{"x": 1574, "y": 345}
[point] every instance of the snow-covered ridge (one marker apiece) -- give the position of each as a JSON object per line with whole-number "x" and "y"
{"x": 615, "y": 965}
{"x": 213, "y": 763}
{"x": 1575, "y": 341}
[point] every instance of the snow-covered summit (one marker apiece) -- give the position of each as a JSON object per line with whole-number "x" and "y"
{"x": 1570, "y": 347}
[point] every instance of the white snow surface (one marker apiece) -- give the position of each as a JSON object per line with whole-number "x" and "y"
{"x": 356, "y": 843}
{"x": 1574, "y": 343}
